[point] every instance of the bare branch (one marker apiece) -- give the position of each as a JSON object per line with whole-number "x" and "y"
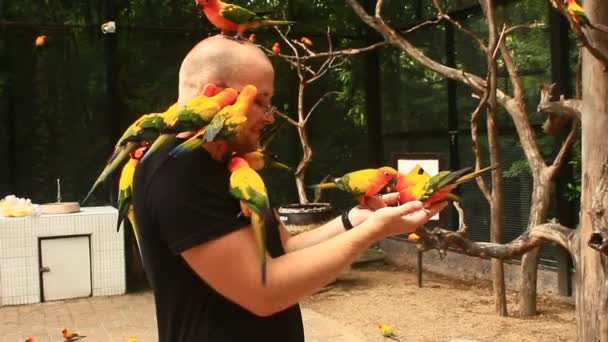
{"x": 559, "y": 159}
{"x": 317, "y": 103}
{"x": 475, "y": 145}
{"x": 443, "y": 14}
{"x": 287, "y": 118}
{"x": 425, "y": 23}
{"x": 500, "y": 38}
{"x": 571, "y": 107}
{"x": 378, "y": 8}
{"x": 536, "y": 24}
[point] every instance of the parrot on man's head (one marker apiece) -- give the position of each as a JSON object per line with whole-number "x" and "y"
{"x": 233, "y": 18}
{"x": 363, "y": 183}
{"x": 248, "y": 187}
{"x": 225, "y": 125}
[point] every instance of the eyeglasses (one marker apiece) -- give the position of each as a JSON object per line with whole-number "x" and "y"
{"x": 270, "y": 111}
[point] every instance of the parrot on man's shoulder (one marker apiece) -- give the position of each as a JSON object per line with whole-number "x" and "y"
{"x": 248, "y": 187}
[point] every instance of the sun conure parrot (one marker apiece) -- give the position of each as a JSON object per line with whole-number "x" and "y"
{"x": 233, "y": 18}
{"x": 31, "y": 339}
{"x": 196, "y": 113}
{"x": 146, "y": 128}
{"x": 363, "y": 183}
{"x": 387, "y": 331}
{"x": 419, "y": 185}
{"x": 125, "y": 191}
{"x": 580, "y": 18}
{"x": 70, "y": 336}
{"x": 248, "y": 187}
{"x": 261, "y": 158}
{"x": 225, "y": 125}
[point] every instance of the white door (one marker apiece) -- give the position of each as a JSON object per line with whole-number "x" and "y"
{"x": 65, "y": 267}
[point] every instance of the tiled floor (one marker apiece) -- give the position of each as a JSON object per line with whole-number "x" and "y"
{"x": 115, "y": 318}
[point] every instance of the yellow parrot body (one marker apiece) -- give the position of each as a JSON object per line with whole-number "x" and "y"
{"x": 125, "y": 196}
{"x": 196, "y": 113}
{"x": 248, "y": 187}
{"x": 225, "y": 125}
{"x": 387, "y": 331}
{"x": 362, "y": 183}
{"x": 419, "y": 185}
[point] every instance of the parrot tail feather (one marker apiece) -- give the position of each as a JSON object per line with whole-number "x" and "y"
{"x": 328, "y": 185}
{"x": 282, "y": 166}
{"x": 278, "y": 22}
{"x": 113, "y": 165}
{"x": 475, "y": 174}
{"x": 158, "y": 143}
{"x": 187, "y": 147}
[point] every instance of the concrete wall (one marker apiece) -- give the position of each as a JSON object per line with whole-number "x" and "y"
{"x": 464, "y": 267}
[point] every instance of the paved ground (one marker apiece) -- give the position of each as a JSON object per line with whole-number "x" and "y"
{"x": 114, "y": 319}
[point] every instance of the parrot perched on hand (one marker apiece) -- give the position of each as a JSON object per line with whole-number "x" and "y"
{"x": 419, "y": 185}
{"x": 146, "y": 128}
{"x": 387, "y": 331}
{"x": 196, "y": 113}
{"x": 70, "y": 336}
{"x": 225, "y": 125}
{"x": 363, "y": 183}
{"x": 248, "y": 187}
{"x": 233, "y": 18}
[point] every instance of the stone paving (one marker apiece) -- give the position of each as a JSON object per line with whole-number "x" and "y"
{"x": 116, "y": 318}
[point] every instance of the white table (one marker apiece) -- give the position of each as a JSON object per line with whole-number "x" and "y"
{"x": 63, "y": 240}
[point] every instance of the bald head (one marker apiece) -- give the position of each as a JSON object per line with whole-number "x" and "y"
{"x": 224, "y": 62}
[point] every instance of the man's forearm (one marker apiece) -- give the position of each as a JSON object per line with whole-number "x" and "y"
{"x": 314, "y": 236}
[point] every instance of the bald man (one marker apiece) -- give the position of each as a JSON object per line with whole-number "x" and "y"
{"x": 200, "y": 255}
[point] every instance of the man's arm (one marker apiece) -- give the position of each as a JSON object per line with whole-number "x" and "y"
{"x": 229, "y": 264}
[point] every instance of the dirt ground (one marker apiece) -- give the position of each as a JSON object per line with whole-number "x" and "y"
{"x": 443, "y": 309}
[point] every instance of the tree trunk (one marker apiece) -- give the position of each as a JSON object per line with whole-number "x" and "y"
{"x": 591, "y": 277}
{"x": 541, "y": 199}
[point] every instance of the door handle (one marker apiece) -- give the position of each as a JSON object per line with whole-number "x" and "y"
{"x": 44, "y": 269}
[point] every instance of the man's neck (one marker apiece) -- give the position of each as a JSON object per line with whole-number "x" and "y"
{"x": 218, "y": 150}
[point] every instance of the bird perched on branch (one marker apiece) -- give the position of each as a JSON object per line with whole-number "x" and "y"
{"x": 363, "y": 183}
{"x": 580, "y": 18}
{"x": 419, "y": 185}
{"x": 233, "y": 18}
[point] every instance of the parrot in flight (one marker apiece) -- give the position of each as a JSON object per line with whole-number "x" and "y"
{"x": 70, "y": 336}
{"x": 363, "y": 183}
{"x": 225, "y": 124}
{"x": 387, "y": 331}
{"x": 197, "y": 112}
{"x": 248, "y": 187}
{"x": 146, "y": 128}
{"x": 125, "y": 190}
{"x": 579, "y": 16}
{"x": 233, "y": 18}
{"x": 419, "y": 185}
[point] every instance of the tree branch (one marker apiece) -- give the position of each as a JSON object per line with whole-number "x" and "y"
{"x": 599, "y": 236}
{"x": 318, "y": 102}
{"x": 441, "y": 239}
{"x": 571, "y": 107}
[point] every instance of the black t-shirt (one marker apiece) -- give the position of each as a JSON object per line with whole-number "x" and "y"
{"x": 179, "y": 204}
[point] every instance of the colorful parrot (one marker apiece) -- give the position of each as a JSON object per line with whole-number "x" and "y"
{"x": 146, "y": 128}
{"x": 248, "y": 187}
{"x": 252, "y": 38}
{"x": 225, "y": 125}
{"x": 276, "y": 48}
{"x": 125, "y": 191}
{"x": 233, "y": 18}
{"x": 31, "y": 339}
{"x": 363, "y": 183}
{"x": 387, "y": 331}
{"x": 70, "y": 336}
{"x": 40, "y": 40}
{"x": 306, "y": 41}
{"x": 419, "y": 185}
{"x": 196, "y": 113}
{"x": 261, "y": 158}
